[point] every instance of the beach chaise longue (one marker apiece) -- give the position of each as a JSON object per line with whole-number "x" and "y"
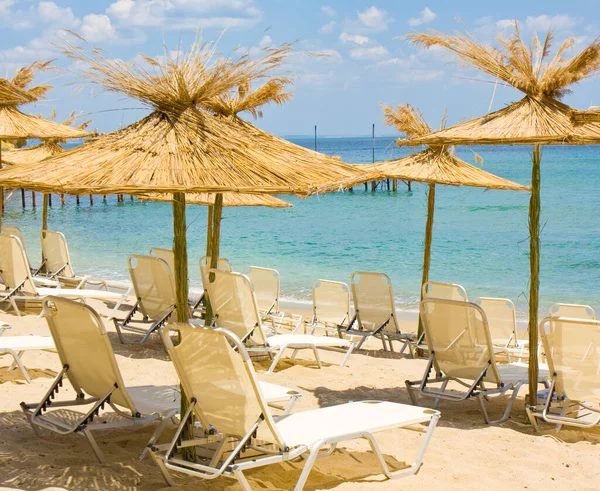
{"x": 462, "y": 353}
{"x": 330, "y": 305}
{"x": 17, "y": 346}
{"x": 19, "y": 284}
{"x": 572, "y": 349}
{"x": 235, "y": 308}
{"x": 375, "y": 312}
{"x": 218, "y": 377}
{"x": 89, "y": 364}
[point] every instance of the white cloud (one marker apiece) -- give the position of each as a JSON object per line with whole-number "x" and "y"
{"x": 328, "y": 11}
{"x": 328, "y": 28}
{"x": 425, "y": 17}
{"x": 394, "y": 62}
{"x": 318, "y": 78}
{"x": 545, "y": 22}
{"x": 97, "y": 27}
{"x": 418, "y": 75}
{"x": 356, "y": 38}
{"x": 375, "y": 19}
{"x": 185, "y": 14}
{"x": 374, "y": 53}
{"x": 50, "y": 13}
{"x": 265, "y": 41}
{"x": 505, "y": 23}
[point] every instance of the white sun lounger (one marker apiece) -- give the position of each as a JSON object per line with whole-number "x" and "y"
{"x": 375, "y": 311}
{"x": 227, "y": 401}
{"x": 168, "y": 256}
{"x": 266, "y": 283}
{"x": 16, "y": 346}
{"x": 572, "y": 349}
{"x": 155, "y": 295}
{"x": 16, "y": 276}
{"x": 331, "y": 307}
{"x": 461, "y": 352}
{"x": 235, "y": 308}
{"x": 572, "y": 310}
{"x": 89, "y": 363}
{"x": 37, "y": 279}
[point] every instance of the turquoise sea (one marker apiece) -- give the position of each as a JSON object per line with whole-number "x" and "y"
{"x": 480, "y": 237}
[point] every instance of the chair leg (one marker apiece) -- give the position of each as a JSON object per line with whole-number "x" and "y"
{"x": 18, "y": 363}
{"x": 239, "y": 475}
{"x": 347, "y": 355}
{"x": 436, "y": 402}
{"x": 156, "y": 435}
{"x": 411, "y": 393}
{"x": 163, "y": 470}
{"x": 90, "y": 438}
{"x": 317, "y": 357}
{"x": 276, "y": 360}
{"x": 310, "y": 461}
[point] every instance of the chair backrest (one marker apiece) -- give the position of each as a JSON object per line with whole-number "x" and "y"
{"x": 266, "y": 282}
{"x": 167, "y": 255}
{"x": 234, "y": 306}
{"x": 502, "y": 320}
{"x": 374, "y": 300}
{"x": 331, "y": 302}
{"x": 14, "y": 267}
{"x": 83, "y": 344}
{"x": 153, "y": 284}
{"x": 56, "y": 254}
{"x": 214, "y": 369}
{"x": 457, "y": 334}
{"x": 572, "y": 348}
{"x": 572, "y": 310}
{"x": 223, "y": 264}
{"x": 438, "y": 289}
{"x": 16, "y": 231}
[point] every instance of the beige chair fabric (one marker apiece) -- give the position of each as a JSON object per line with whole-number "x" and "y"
{"x": 16, "y": 231}
{"x": 266, "y": 283}
{"x": 331, "y": 306}
{"x": 572, "y": 349}
{"x": 375, "y": 310}
{"x": 574, "y": 311}
{"x": 218, "y": 378}
{"x": 55, "y": 252}
{"x": 438, "y": 289}
{"x": 153, "y": 284}
{"x": 223, "y": 264}
{"x": 502, "y": 320}
{"x": 167, "y": 255}
{"x": 89, "y": 363}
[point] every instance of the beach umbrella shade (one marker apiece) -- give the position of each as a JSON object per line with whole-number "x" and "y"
{"x": 540, "y": 118}
{"x": 180, "y": 147}
{"x": 436, "y": 165}
{"x": 36, "y": 153}
{"x": 15, "y": 124}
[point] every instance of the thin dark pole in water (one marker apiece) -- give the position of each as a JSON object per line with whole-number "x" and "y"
{"x": 49, "y": 199}
{"x": 373, "y": 183}
{"x": 91, "y": 200}
{"x": 77, "y": 199}
{"x": 33, "y": 199}
{"x": 23, "y": 198}
{"x": 315, "y": 138}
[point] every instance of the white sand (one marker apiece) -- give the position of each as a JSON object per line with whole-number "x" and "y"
{"x": 464, "y": 452}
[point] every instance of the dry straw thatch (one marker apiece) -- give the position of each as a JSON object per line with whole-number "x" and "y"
{"x": 539, "y": 118}
{"x": 181, "y": 146}
{"x": 229, "y": 199}
{"x": 589, "y": 116}
{"x": 436, "y": 164}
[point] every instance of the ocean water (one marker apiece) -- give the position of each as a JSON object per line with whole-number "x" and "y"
{"x": 480, "y": 237}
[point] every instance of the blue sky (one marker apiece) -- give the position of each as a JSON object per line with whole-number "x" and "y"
{"x": 366, "y": 64}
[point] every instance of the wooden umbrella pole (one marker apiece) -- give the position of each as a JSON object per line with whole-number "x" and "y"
{"x": 180, "y": 252}
{"x": 534, "y": 264}
{"x": 181, "y": 286}
{"x": 427, "y": 246}
{"x": 45, "y": 204}
{"x": 216, "y": 232}
{"x": 208, "y": 314}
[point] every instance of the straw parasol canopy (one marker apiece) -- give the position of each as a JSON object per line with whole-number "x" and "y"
{"x": 16, "y": 124}
{"x": 434, "y": 165}
{"x": 589, "y": 116}
{"x": 182, "y": 147}
{"x": 539, "y": 118}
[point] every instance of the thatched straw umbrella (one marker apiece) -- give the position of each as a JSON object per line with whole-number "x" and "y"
{"x": 435, "y": 165}
{"x": 44, "y": 150}
{"x": 15, "y": 125}
{"x": 537, "y": 119}
{"x": 181, "y": 148}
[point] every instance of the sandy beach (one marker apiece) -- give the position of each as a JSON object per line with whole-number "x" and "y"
{"x": 464, "y": 453}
